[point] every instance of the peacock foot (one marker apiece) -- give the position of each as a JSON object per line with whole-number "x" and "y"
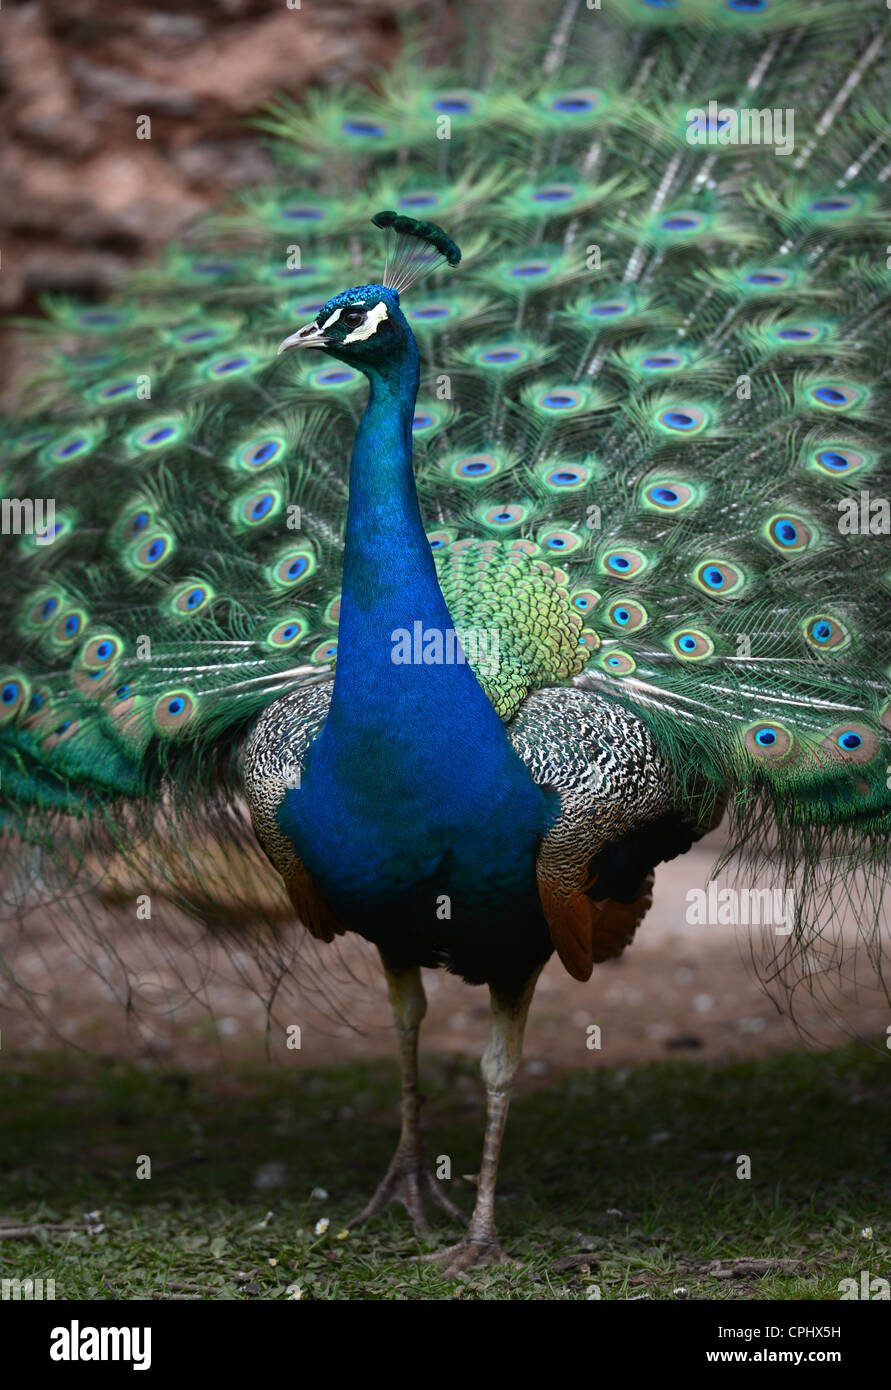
{"x": 407, "y": 1180}
{"x": 474, "y": 1250}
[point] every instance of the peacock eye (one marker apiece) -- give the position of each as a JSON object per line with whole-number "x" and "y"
{"x": 351, "y": 318}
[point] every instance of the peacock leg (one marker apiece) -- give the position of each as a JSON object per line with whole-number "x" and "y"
{"x": 408, "y": 1180}
{"x": 507, "y": 1024}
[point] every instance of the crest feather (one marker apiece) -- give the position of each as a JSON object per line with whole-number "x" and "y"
{"x": 413, "y": 249}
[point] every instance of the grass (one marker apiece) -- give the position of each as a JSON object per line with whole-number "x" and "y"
{"x": 622, "y": 1180}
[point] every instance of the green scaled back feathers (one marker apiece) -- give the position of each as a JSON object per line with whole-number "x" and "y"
{"x": 650, "y": 444}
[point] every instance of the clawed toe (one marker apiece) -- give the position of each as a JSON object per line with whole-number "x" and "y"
{"x": 408, "y": 1181}
{"x": 471, "y": 1252}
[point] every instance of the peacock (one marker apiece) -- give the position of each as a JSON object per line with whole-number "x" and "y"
{"x": 491, "y": 580}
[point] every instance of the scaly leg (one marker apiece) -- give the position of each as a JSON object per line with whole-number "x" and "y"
{"x": 407, "y": 1180}
{"x": 480, "y": 1244}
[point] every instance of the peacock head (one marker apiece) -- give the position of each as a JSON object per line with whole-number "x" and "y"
{"x": 365, "y": 326}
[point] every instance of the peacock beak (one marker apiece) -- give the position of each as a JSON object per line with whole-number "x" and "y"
{"x": 310, "y": 335}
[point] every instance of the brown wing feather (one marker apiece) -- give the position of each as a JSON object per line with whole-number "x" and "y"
{"x": 586, "y": 931}
{"x": 312, "y": 909}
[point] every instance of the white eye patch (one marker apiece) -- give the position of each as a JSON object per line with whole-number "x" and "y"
{"x": 373, "y": 319}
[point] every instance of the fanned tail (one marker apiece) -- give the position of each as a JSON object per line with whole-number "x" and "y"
{"x": 663, "y": 369}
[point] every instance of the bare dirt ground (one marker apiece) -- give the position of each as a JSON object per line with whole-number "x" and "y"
{"x": 680, "y": 990}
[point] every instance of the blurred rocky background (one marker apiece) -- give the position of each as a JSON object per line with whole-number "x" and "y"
{"x": 83, "y": 198}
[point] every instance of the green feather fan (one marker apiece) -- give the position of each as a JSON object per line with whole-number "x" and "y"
{"x": 661, "y": 371}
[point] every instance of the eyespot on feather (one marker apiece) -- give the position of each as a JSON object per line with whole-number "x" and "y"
{"x": 834, "y": 395}
{"x": 682, "y": 420}
{"x": 852, "y": 743}
{"x": 719, "y": 578}
{"x": 15, "y": 694}
{"x": 188, "y": 598}
{"x": 472, "y": 468}
{"x": 836, "y": 460}
{"x": 505, "y": 516}
{"x": 584, "y": 601}
{"x": 668, "y": 496}
{"x": 617, "y": 663}
{"x": 789, "y": 533}
{"x": 691, "y": 644}
{"x": 65, "y": 729}
{"x": 173, "y": 712}
{"x": 769, "y": 742}
{"x": 627, "y": 614}
{"x": 154, "y": 552}
{"x": 39, "y": 709}
{"x": 623, "y": 562}
{"x": 324, "y": 653}
{"x": 826, "y": 633}
{"x": 257, "y": 508}
{"x": 44, "y": 609}
{"x": 293, "y": 566}
{"x": 287, "y": 631}
{"x": 135, "y": 521}
{"x": 69, "y": 627}
{"x": 559, "y": 542}
{"x": 259, "y": 453}
{"x": 565, "y": 477}
{"x": 100, "y": 652}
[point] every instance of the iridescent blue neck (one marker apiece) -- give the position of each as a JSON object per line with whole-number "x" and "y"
{"x": 390, "y": 585}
